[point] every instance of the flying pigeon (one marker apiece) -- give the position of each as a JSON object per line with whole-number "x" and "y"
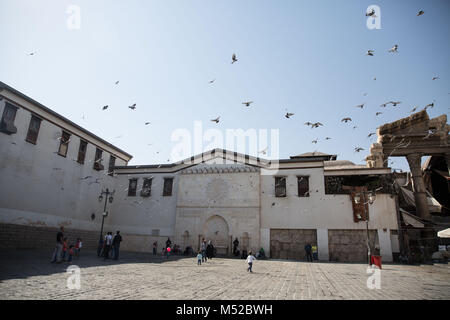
{"x": 308, "y": 123}
{"x": 371, "y": 134}
{"x": 369, "y": 53}
{"x": 147, "y": 123}
{"x": 420, "y": 13}
{"x": 105, "y": 107}
{"x": 394, "y": 48}
{"x": 384, "y": 104}
{"x": 263, "y": 151}
{"x": 32, "y": 53}
{"x": 378, "y": 113}
{"x": 327, "y": 138}
{"x": 371, "y": 14}
{"x": 132, "y": 107}
{"x": 355, "y": 127}
{"x": 360, "y": 106}
{"x": 435, "y": 78}
{"x": 315, "y": 141}
{"x": 316, "y": 125}
{"x": 248, "y": 103}
{"x": 212, "y": 81}
{"x": 395, "y": 103}
{"x": 216, "y": 120}
{"x": 233, "y": 58}
{"x": 414, "y": 109}
{"x": 117, "y": 82}
{"x": 288, "y": 115}
{"x": 358, "y": 149}
{"x": 346, "y": 120}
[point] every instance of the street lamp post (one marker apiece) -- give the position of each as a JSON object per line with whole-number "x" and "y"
{"x": 108, "y": 197}
{"x": 371, "y": 200}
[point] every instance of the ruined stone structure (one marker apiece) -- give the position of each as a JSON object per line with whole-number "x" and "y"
{"x": 413, "y": 137}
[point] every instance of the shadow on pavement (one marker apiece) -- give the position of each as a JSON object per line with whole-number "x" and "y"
{"x": 24, "y": 263}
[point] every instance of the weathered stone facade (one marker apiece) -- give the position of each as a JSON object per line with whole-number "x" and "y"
{"x": 349, "y": 245}
{"x": 290, "y": 243}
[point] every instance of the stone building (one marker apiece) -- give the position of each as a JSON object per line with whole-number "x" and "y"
{"x": 279, "y": 205}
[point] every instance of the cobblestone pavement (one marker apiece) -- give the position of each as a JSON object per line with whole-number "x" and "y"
{"x": 29, "y": 275}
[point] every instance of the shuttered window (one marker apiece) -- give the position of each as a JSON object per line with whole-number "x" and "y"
{"x": 33, "y": 129}
{"x": 280, "y": 186}
{"x": 64, "y": 143}
{"x": 303, "y": 186}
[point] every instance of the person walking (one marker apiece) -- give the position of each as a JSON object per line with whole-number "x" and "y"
{"x": 210, "y": 250}
{"x": 203, "y": 249}
{"x": 116, "y": 244}
{"x": 308, "y": 250}
{"x": 155, "y": 247}
{"x": 108, "y": 242}
{"x": 57, "y": 254}
{"x": 315, "y": 253}
{"x": 250, "y": 260}
{"x": 199, "y": 258}
{"x": 168, "y": 242}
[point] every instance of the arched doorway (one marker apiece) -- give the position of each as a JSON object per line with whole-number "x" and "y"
{"x": 186, "y": 239}
{"x": 216, "y": 229}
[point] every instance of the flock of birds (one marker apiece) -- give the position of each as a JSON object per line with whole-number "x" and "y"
{"x": 313, "y": 125}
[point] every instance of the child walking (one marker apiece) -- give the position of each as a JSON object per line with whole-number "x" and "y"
{"x": 199, "y": 258}
{"x": 250, "y": 260}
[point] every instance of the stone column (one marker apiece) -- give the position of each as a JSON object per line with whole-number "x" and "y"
{"x": 322, "y": 244}
{"x": 420, "y": 195}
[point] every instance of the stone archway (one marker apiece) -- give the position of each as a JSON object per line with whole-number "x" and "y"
{"x": 216, "y": 229}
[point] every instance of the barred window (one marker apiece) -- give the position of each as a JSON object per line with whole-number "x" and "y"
{"x": 132, "y": 188}
{"x": 168, "y": 183}
{"x": 64, "y": 143}
{"x": 33, "y": 129}
{"x": 280, "y": 186}
{"x": 303, "y": 186}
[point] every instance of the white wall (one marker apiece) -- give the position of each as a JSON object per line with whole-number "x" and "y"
{"x": 319, "y": 210}
{"x": 38, "y": 187}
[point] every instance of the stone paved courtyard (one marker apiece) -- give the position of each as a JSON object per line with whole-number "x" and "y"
{"x": 29, "y": 275}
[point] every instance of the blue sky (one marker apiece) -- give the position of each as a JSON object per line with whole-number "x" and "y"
{"x": 304, "y": 56}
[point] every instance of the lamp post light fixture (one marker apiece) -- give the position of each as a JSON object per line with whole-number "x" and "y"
{"x": 108, "y": 196}
{"x": 361, "y": 198}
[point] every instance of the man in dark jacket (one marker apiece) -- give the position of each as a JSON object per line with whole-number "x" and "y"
{"x": 308, "y": 250}
{"x": 116, "y": 244}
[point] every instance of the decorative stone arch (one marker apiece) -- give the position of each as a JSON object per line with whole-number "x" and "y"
{"x": 216, "y": 230}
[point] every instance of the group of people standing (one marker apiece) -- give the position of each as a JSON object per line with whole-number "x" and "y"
{"x": 109, "y": 246}
{"x": 206, "y": 251}
{"x": 63, "y": 250}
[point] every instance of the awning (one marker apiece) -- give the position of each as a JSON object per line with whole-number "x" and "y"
{"x": 408, "y": 195}
{"x": 411, "y": 220}
{"x": 444, "y": 233}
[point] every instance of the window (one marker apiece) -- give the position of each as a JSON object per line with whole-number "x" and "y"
{"x": 33, "y": 129}
{"x": 132, "y": 188}
{"x": 64, "y": 143}
{"x": 303, "y": 186}
{"x": 82, "y": 151}
{"x": 146, "y": 187}
{"x": 8, "y": 117}
{"x": 280, "y": 186}
{"x": 168, "y": 182}
{"x": 98, "y": 160}
{"x": 112, "y": 163}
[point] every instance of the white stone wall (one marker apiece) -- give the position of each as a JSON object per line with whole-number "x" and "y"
{"x": 233, "y": 196}
{"x": 319, "y": 211}
{"x": 38, "y": 187}
{"x": 138, "y": 217}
